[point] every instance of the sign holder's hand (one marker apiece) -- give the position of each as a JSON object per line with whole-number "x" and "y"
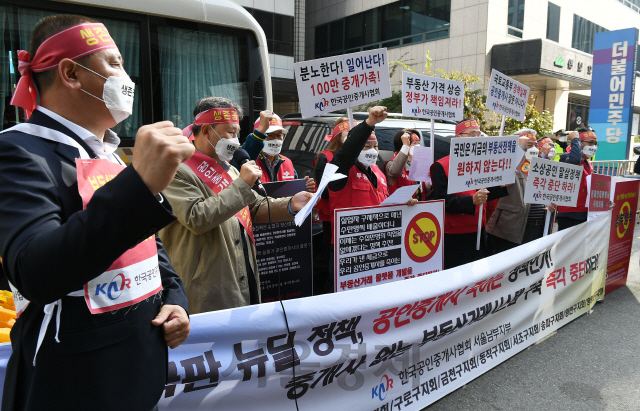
{"x": 310, "y": 184}
{"x": 175, "y": 324}
{"x": 300, "y": 200}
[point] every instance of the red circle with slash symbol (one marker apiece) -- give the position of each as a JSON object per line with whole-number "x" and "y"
{"x": 422, "y": 237}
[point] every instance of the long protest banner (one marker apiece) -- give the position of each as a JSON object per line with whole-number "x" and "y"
{"x": 479, "y": 162}
{"x": 432, "y": 97}
{"x": 343, "y": 81}
{"x": 378, "y": 245}
{"x": 507, "y": 97}
{"x": 402, "y": 345}
{"x": 290, "y": 244}
{"x": 623, "y": 222}
{"x": 552, "y": 182}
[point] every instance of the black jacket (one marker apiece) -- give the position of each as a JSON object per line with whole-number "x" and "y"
{"x": 50, "y": 247}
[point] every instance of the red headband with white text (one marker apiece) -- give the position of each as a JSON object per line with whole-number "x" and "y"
{"x": 338, "y": 129}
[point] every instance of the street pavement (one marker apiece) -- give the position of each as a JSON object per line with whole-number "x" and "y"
{"x": 591, "y": 363}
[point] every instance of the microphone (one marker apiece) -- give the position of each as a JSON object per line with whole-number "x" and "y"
{"x": 240, "y": 156}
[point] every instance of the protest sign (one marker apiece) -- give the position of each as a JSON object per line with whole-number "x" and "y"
{"x": 343, "y": 81}
{"x": 432, "y": 97}
{"x": 421, "y": 161}
{"x": 552, "y": 182}
{"x": 401, "y": 346}
{"x": 479, "y": 162}
{"x": 623, "y": 222}
{"x": 599, "y": 193}
{"x": 290, "y": 244}
{"x": 377, "y": 245}
{"x": 507, "y": 97}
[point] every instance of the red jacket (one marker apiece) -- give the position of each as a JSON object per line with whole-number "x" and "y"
{"x": 403, "y": 180}
{"x": 285, "y": 171}
{"x": 459, "y": 223}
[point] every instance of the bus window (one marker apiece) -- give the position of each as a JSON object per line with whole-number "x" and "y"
{"x": 16, "y": 25}
{"x": 198, "y": 64}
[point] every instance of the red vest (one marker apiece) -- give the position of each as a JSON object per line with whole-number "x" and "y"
{"x": 323, "y": 204}
{"x": 581, "y": 205}
{"x": 359, "y": 192}
{"x": 458, "y": 223}
{"x": 403, "y": 180}
{"x": 285, "y": 172}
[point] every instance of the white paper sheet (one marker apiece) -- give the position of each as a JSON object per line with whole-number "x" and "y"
{"x": 328, "y": 176}
{"x": 401, "y": 195}
{"x": 420, "y": 164}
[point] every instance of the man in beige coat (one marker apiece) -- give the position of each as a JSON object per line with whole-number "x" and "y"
{"x": 210, "y": 245}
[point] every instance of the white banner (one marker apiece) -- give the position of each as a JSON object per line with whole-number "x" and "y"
{"x": 402, "y": 345}
{"x": 378, "y": 245}
{"x": 552, "y": 182}
{"x": 343, "y": 81}
{"x": 507, "y": 97}
{"x": 432, "y": 97}
{"x": 480, "y": 162}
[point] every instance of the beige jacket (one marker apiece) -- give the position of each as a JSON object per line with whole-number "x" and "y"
{"x": 204, "y": 244}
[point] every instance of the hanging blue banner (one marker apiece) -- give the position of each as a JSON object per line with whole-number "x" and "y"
{"x": 612, "y": 87}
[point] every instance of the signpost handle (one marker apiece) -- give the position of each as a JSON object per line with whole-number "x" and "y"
{"x": 479, "y": 227}
{"x": 432, "y": 143}
{"x": 502, "y": 125}
{"x": 546, "y": 223}
{"x": 350, "y": 116}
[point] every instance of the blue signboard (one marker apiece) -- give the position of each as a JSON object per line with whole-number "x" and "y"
{"x": 612, "y": 85}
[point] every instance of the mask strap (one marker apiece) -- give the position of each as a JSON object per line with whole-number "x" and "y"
{"x": 91, "y": 71}
{"x": 93, "y": 95}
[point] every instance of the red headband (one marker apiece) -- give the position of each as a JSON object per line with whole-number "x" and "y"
{"x": 466, "y": 125}
{"x": 530, "y": 136}
{"x": 338, "y": 129}
{"x": 587, "y": 135}
{"x": 217, "y": 115}
{"x": 544, "y": 141}
{"x": 275, "y": 122}
{"x": 72, "y": 43}
{"x": 372, "y": 137}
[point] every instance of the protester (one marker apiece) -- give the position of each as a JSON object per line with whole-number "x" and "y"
{"x": 461, "y": 209}
{"x": 396, "y": 170}
{"x": 58, "y": 253}
{"x": 254, "y": 143}
{"x": 546, "y": 148}
{"x": 515, "y": 222}
{"x": 275, "y": 166}
{"x": 211, "y": 244}
{"x": 561, "y": 141}
{"x": 584, "y": 144}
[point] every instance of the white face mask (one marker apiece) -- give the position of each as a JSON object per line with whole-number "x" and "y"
{"x": 552, "y": 153}
{"x": 225, "y": 147}
{"x": 272, "y": 147}
{"x": 368, "y": 157}
{"x": 562, "y": 138}
{"x": 590, "y": 151}
{"x": 117, "y": 95}
{"x": 531, "y": 153}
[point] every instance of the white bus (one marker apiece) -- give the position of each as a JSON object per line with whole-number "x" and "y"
{"x": 176, "y": 51}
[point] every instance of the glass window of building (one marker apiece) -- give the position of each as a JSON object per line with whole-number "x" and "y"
{"x": 553, "y": 22}
{"x": 405, "y": 22}
{"x": 583, "y": 33}
{"x": 278, "y": 29}
{"x": 515, "y": 18}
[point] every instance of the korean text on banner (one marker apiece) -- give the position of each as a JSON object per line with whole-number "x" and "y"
{"x": 400, "y": 346}
{"x": 344, "y": 81}
{"x": 432, "y": 97}
{"x": 507, "y": 97}
{"x": 612, "y": 90}
{"x": 479, "y": 162}
{"x": 552, "y": 182}
{"x": 599, "y": 194}
{"x": 378, "y": 245}
{"x": 623, "y": 221}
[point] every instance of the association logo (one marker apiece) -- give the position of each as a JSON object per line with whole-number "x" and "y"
{"x": 416, "y": 111}
{"x": 381, "y": 389}
{"x": 322, "y": 104}
{"x": 422, "y": 237}
{"x": 113, "y": 289}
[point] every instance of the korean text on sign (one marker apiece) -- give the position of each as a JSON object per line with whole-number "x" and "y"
{"x": 333, "y": 83}
{"x": 506, "y": 96}
{"x": 552, "y": 182}
{"x": 432, "y": 97}
{"x": 482, "y": 162}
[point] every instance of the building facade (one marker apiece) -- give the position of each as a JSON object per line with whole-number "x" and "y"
{"x": 546, "y": 45}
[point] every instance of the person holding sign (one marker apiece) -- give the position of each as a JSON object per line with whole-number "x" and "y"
{"x": 397, "y": 169}
{"x": 584, "y": 144}
{"x": 514, "y": 222}
{"x": 77, "y": 231}
{"x": 461, "y": 209}
{"x": 211, "y": 243}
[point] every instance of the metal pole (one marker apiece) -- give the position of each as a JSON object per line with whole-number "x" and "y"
{"x": 546, "y": 223}
{"x": 479, "y": 227}
{"x": 502, "y": 125}
{"x": 350, "y": 116}
{"x": 432, "y": 143}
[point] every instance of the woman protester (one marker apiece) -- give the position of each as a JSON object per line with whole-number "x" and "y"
{"x": 397, "y": 169}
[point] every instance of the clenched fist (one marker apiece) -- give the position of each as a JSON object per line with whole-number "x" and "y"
{"x": 265, "y": 118}
{"x": 157, "y": 153}
{"x": 250, "y": 172}
{"x": 376, "y": 115}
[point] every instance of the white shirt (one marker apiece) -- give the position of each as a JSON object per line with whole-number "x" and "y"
{"x": 103, "y": 149}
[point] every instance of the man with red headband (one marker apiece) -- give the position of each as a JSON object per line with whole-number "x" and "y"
{"x": 77, "y": 231}
{"x": 211, "y": 245}
{"x": 461, "y": 209}
{"x": 584, "y": 144}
